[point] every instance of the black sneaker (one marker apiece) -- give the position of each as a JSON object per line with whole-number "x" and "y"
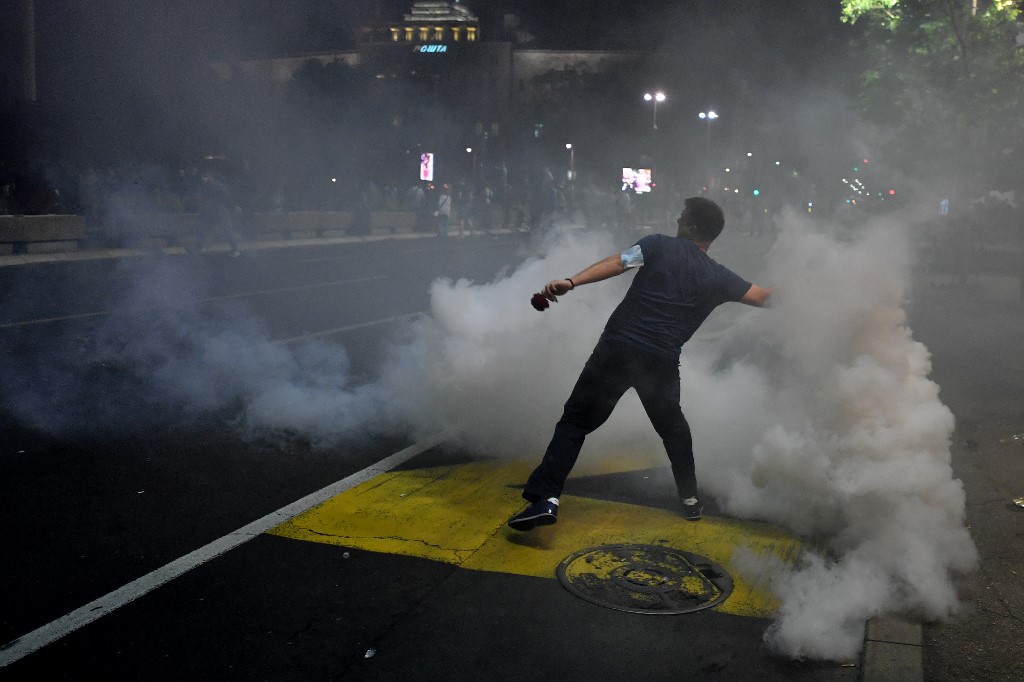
{"x": 692, "y": 509}
{"x": 539, "y": 513}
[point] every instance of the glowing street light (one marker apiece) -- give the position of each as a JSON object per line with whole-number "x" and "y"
{"x": 656, "y": 97}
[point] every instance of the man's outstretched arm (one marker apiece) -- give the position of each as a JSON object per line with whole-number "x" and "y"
{"x": 757, "y": 296}
{"x": 602, "y": 269}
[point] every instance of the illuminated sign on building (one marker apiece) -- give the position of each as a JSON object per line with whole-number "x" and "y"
{"x": 430, "y": 48}
{"x": 427, "y": 166}
{"x": 640, "y": 180}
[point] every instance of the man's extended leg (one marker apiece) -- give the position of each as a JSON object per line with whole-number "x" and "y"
{"x": 602, "y": 382}
{"x": 659, "y": 394}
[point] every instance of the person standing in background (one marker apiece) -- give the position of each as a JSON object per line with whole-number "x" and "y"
{"x": 443, "y": 211}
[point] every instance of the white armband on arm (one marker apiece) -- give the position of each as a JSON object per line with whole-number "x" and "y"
{"x": 632, "y": 257}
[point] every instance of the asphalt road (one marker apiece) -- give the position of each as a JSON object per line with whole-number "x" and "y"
{"x": 974, "y": 333}
{"x": 88, "y": 511}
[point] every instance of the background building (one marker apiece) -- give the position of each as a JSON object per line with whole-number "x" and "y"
{"x": 442, "y": 43}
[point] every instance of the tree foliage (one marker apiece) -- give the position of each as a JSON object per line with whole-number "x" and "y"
{"x": 945, "y": 79}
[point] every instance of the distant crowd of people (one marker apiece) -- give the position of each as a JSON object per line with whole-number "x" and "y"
{"x": 121, "y": 203}
{"x": 113, "y": 198}
{"x": 25, "y": 189}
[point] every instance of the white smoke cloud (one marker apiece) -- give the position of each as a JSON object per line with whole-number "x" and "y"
{"x": 163, "y": 355}
{"x": 206, "y": 362}
{"x": 817, "y": 414}
{"x": 486, "y": 362}
{"x": 858, "y": 451}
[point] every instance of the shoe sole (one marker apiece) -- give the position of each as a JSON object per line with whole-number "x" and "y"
{"x": 530, "y": 522}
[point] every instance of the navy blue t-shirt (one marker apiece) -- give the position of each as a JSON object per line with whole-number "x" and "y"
{"x": 672, "y": 294}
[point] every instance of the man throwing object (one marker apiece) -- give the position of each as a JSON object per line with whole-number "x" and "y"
{"x": 675, "y": 289}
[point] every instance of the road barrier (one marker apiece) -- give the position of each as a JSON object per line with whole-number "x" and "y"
{"x": 40, "y": 233}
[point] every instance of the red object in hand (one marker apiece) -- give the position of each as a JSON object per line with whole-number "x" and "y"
{"x": 539, "y": 302}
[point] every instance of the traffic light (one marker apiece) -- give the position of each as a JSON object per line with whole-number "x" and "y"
{"x": 757, "y": 192}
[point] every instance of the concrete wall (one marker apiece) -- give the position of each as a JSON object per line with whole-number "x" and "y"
{"x": 280, "y": 70}
{"x": 40, "y": 233}
{"x": 59, "y": 233}
{"x": 527, "y": 64}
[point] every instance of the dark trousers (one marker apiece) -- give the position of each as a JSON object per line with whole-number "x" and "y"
{"x": 612, "y": 369}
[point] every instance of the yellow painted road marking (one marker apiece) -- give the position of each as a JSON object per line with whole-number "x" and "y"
{"x": 457, "y": 514}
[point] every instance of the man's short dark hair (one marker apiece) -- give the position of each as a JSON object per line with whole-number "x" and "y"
{"x": 707, "y": 218}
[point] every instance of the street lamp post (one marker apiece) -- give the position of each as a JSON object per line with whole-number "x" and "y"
{"x": 708, "y": 116}
{"x": 654, "y": 99}
{"x": 572, "y": 173}
{"x": 469, "y": 150}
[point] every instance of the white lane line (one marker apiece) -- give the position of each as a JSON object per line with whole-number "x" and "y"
{"x": 94, "y": 610}
{"x": 347, "y": 256}
{"x": 347, "y": 328}
{"x": 225, "y": 297}
{"x": 301, "y": 287}
{"x": 45, "y": 320}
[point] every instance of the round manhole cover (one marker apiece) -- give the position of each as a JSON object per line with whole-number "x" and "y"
{"x": 645, "y": 579}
